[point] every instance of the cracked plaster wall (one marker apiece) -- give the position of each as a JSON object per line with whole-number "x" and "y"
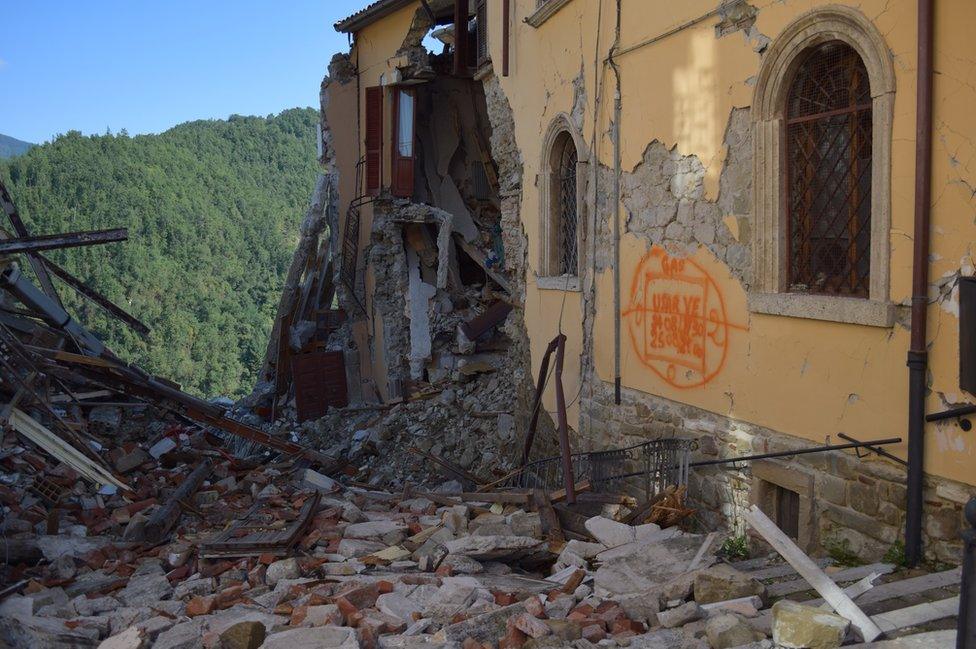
{"x": 687, "y": 159}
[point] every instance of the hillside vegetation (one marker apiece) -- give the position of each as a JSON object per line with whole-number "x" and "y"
{"x": 212, "y": 208}
{"x": 11, "y": 146}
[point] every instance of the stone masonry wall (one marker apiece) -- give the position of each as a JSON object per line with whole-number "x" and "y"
{"x": 858, "y": 504}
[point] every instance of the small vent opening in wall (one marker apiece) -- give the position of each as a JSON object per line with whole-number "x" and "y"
{"x": 787, "y": 511}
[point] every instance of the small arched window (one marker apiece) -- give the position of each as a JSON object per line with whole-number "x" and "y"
{"x": 563, "y": 212}
{"x": 828, "y": 179}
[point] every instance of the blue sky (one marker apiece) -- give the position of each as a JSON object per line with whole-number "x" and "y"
{"x": 146, "y": 66}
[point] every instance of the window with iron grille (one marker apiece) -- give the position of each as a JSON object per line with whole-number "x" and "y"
{"x": 563, "y": 206}
{"x": 828, "y": 173}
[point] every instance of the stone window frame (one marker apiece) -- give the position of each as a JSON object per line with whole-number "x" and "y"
{"x": 548, "y": 225}
{"x": 769, "y": 473}
{"x": 769, "y": 293}
{"x": 545, "y": 9}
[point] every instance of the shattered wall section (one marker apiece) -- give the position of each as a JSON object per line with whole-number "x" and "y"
{"x": 664, "y": 202}
{"x": 508, "y": 158}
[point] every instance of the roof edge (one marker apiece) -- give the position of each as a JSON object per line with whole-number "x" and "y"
{"x": 370, "y": 14}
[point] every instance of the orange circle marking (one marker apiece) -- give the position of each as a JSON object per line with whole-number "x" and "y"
{"x": 677, "y": 320}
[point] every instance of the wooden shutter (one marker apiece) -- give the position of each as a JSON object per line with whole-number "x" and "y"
{"x": 320, "y": 383}
{"x": 481, "y": 23}
{"x": 402, "y": 168}
{"x": 374, "y": 139}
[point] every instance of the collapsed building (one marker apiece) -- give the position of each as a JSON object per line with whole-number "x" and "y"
{"x": 593, "y": 336}
{"x": 545, "y": 175}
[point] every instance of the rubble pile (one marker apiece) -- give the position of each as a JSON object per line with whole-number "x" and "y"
{"x": 443, "y": 423}
{"x": 367, "y": 568}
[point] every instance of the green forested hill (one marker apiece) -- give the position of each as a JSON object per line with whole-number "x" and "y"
{"x": 11, "y": 146}
{"x": 212, "y": 208}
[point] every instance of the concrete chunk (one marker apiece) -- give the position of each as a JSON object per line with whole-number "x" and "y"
{"x": 609, "y": 532}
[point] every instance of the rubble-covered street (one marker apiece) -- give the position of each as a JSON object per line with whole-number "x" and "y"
{"x": 537, "y": 377}
{"x": 265, "y": 551}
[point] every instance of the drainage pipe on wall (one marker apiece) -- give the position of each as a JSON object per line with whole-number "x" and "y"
{"x": 616, "y": 214}
{"x": 918, "y": 351}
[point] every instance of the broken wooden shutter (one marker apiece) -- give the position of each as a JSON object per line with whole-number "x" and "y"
{"x": 481, "y": 25}
{"x": 374, "y": 139}
{"x": 404, "y": 119}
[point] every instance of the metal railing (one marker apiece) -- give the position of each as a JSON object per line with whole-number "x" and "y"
{"x": 657, "y": 464}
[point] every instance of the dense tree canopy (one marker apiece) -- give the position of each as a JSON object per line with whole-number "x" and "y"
{"x": 212, "y": 208}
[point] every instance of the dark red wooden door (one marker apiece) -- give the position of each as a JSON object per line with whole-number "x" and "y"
{"x": 320, "y": 383}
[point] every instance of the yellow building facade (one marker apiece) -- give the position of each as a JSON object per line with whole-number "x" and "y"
{"x": 704, "y": 145}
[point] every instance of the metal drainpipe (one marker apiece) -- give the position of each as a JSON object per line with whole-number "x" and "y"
{"x": 616, "y": 217}
{"x": 918, "y": 352}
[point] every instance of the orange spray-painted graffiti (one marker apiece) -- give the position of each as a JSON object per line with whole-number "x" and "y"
{"x": 677, "y": 320}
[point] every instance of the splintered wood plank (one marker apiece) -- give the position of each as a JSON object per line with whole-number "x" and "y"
{"x": 783, "y": 570}
{"x": 831, "y": 592}
{"x": 946, "y": 639}
{"x": 706, "y": 544}
{"x": 550, "y": 521}
{"x": 880, "y": 593}
{"x": 850, "y": 574}
{"x": 919, "y": 614}
{"x": 857, "y": 589}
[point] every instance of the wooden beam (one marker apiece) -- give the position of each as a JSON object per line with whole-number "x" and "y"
{"x": 551, "y": 527}
{"x": 478, "y": 257}
{"x": 831, "y": 592}
{"x": 857, "y": 589}
{"x": 700, "y": 555}
{"x": 880, "y": 593}
{"x": 60, "y": 241}
{"x": 918, "y": 614}
{"x": 850, "y": 574}
{"x": 61, "y": 450}
{"x": 88, "y": 292}
{"x": 782, "y": 570}
{"x": 21, "y": 230}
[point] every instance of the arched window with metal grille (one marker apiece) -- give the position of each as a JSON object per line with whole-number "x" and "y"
{"x": 563, "y": 208}
{"x": 828, "y": 172}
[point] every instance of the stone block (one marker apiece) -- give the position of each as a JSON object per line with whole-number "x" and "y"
{"x": 680, "y": 615}
{"x": 323, "y": 637}
{"x": 722, "y": 582}
{"x": 398, "y": 605}
{"x": 372, "y": 529}
{"x": 943, "y": 524}
{"x": 145, "y": 590}
{"x": 131, "y": 461}
{"x": 492, "y": 548}
{"x": 729, "y": 630}
{"x": 243, "y": 635}
{"x": 831, "y": 488}
{"x": 609, "y": 532}
{"x": 316, "y": 481}
{"x": 806, "y": 627}
{"x": 863, "y": 497}
{"x": 131, "y": 638}
{"x": 283, "y": 569}
{"x": 862, "y": 523}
